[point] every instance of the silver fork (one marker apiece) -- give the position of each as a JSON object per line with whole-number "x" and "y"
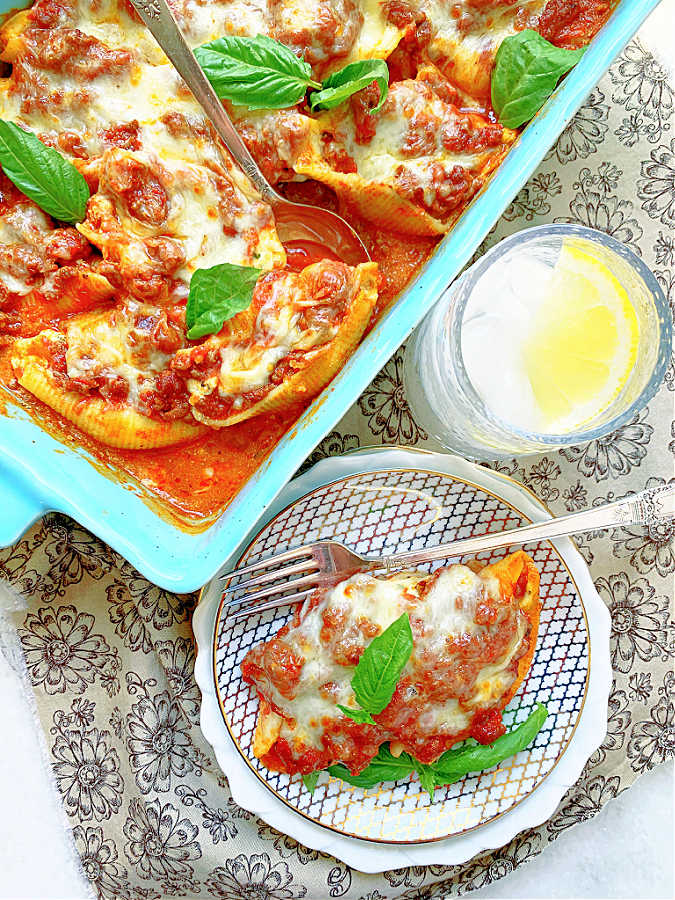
{"x": 292, "y": 576}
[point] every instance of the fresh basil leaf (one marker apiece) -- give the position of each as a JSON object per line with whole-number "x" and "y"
{"x": 427, "y": 777}
{"x": 383, "y": 767}
{"x": 377, "y": 673}
{"x": 473, "y": 757}
{"x": 452, "y": 765}
{"x": 42, "y": 174}
{"x": 310, "y": 781}
{"x": 527, "y": 69}
{"x": 257, "y": 72}
{"x": 217, "y": 294}
{"x": 350, "y": 79}
{"x": 357, "y": 715}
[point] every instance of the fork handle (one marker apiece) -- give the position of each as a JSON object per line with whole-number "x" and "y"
{"x": 159, "y": 20}
{"x": 644, "y": 508}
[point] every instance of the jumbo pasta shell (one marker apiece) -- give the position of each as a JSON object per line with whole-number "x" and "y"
{"x": 108, "y": 423}
{"x": 508, "y": 571}
{"x": 378, "y": 201}
{"x": 11, "y": 36}
{"x": 322, "y": 364}
{"x": 375, "y": 202}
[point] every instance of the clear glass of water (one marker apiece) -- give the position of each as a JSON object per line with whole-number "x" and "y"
{"x": 489, "y": 424}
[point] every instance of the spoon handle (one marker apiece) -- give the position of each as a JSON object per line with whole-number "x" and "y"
{"x": 159, "y": 19}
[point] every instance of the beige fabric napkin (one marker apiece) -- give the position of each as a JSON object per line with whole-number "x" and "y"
{"x": 111, "y": 657}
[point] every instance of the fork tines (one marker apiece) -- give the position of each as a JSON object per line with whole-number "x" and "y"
{"x": 272, "y": 582}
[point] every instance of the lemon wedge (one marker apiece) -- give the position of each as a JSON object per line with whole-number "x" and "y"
{"x": 583, "y": 342}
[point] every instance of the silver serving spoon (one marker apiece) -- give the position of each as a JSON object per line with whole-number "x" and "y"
{"x": 296, "y": 222}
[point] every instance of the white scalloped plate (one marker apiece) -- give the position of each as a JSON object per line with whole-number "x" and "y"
{"x": 387, "y": 828}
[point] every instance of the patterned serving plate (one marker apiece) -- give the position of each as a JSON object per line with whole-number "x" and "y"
{"x": 383, "y": 502}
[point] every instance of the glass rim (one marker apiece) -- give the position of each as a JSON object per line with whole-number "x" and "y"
{"x": 661, "y": 304}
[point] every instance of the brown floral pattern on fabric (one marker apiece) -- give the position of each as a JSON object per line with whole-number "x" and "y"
{"x": 111, "y": 657}
{"x": 254, "y": 876}
{"x": 587, "y": 798}
{"x": 653, "y": 741}
{"x": 61, "y": 651}
{"x": 639, "y": 620}
{"x": 649, "y": 549}
{"x": 385, "y": 406}
{"x": 617, "y": 453}
{"x": 160, "y": 845}
{"x": 86, "y": 766}
{"x": 100, "y": 861}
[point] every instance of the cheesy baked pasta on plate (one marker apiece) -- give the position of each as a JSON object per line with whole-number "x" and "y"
{"x": 471, "y": 630}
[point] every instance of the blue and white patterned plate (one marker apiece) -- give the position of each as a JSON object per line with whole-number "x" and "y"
{"x": 397, "y": 500}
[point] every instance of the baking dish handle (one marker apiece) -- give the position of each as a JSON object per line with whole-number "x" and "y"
{"x": 19, "y": 506}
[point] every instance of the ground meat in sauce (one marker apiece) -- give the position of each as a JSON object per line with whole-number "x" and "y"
{"x": 335, "y": 155}
{"x": 408, "y": 55}
{"x": 365, "y": 124}
{"x": 125, "y": 136}
{"x": 450, "y": 189}
{"x": 166, "y": 398}
{"x": 275, "y": 141}
{"x": 572, "y": 23}
{"x": 182, "y": 126}
{"x": 330, "y": 287}
{"x": 277, "y": 663}
{"x": 139, "y": 188}
{"x": 331, "y": 31}
{"x": 71, "y": 52}
{"x": 108, "y": 384}
{"x": 154, "y": 330}
{"x": 67, "y": 245}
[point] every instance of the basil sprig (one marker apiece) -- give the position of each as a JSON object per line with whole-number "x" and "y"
{"x": 310, "y": 781}
{"x": 527, "y": 69}
{"x": 379, "y": 669}
{"x": 261, "y": 73}
{"x": 453, "y": 765}
{"x": 42, "y": 174}
{"x": 257, "y": 72}
{"x": 355, "y": 76}
{"x": 357, "y": 715}
{"x": 217, "y": 294}
{"x": 383, "y": 767}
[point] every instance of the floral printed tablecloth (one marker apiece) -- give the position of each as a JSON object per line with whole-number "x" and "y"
{"x": 111, "y": 657}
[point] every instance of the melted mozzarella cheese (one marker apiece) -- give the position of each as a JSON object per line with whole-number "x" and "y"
{"x": 23, "y": 225}
{"x": 103, "y": 344}
{"x": 465, "y": 39}
{"x": 143, "y": 94}
{"x": 377, "y": 37}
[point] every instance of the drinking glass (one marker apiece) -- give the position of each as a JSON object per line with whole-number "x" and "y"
{"x": 446, "y": 403}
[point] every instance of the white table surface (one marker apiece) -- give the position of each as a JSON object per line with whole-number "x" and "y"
{"x": 626, "y": 851}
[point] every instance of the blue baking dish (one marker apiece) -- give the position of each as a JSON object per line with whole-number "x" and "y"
{"x": 38, "y": 473}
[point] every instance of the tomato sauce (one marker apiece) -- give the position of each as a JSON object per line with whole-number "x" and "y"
{"x": 300, "y": 254}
